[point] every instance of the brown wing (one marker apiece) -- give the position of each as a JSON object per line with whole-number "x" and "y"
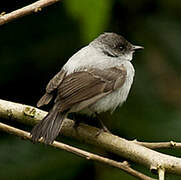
{"x": 52, "y": 85}
{"x": 89, "y": 86}
{"x": 55, "y": 81}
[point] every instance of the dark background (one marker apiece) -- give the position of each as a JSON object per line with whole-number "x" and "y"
{"x": 34, "y": 48}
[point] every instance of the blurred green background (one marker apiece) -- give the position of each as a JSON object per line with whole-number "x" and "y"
{"x": 34, "y": 48}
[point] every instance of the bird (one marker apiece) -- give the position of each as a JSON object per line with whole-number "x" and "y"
{"x": 95, "y": 79}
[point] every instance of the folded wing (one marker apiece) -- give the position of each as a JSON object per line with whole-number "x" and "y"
{"x": 88, "y": 86}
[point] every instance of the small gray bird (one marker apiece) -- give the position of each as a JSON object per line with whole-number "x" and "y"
{"x": 95, "y": 79}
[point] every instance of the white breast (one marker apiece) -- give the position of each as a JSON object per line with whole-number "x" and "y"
{"x": 118, "y": 97}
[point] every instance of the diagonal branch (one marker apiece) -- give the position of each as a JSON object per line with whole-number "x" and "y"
{"x": 32, "y": 8}
{"x": 127, "y": 149}
{"x": 89, "y": 156}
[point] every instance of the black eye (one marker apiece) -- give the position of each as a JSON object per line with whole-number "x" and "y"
{"x": 121, "y": 48}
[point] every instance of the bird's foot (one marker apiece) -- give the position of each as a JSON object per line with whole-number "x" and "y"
{"x": 76, "y": 124}
{"x": 103, "y": 129}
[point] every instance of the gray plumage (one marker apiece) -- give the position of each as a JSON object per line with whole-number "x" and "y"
{"x": 95, "y": 79}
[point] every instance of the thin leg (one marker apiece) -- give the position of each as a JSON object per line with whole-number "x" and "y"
{"x": 103, "y": 127}
{"x": 76, "y": 123}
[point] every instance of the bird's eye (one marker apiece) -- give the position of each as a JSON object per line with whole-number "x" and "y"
{"x": 121, "y": 48}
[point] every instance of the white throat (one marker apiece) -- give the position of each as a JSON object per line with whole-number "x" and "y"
{"x": 127, "y": 56}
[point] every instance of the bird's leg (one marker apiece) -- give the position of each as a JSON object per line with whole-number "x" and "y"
{"x": 76, "y": 122}
{"x": 103, "y": 127}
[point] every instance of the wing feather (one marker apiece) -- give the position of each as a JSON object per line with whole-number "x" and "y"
{"x": 52, "y": 85}
{"x": 84, "y": 87}
{"x": 89, "y": 85}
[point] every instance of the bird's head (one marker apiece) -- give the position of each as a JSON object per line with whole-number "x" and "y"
{"x": 115, "y": 45}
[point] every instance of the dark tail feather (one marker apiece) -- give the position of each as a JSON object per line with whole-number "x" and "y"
{"x": 49, "y": 127}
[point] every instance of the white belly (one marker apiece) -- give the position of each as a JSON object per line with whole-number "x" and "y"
{"x": 118, "y": 97}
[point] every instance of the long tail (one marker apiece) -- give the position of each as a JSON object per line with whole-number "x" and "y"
{"x": 49, "y": 127}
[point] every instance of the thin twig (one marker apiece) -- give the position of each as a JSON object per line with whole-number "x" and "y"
{"x": 89, "y": 156}
{"x": 32, "y": 8}
{"x": 160, "y": 145}
{"x": 161, "y": 173}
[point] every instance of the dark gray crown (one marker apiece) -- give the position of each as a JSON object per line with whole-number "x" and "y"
{"x": 112, "y": 44}
{"x": 114, "y": 40}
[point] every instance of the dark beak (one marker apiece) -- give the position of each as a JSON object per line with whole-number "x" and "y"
{"x": 137, "y": 47}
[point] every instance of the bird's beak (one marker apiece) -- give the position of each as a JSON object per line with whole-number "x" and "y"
{"x": 137, "y": 47}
